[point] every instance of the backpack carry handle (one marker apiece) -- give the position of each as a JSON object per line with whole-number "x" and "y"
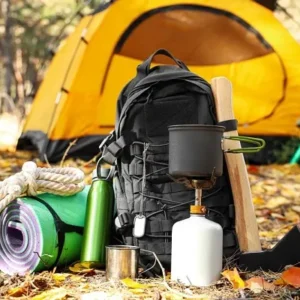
{"x": 144, "y": 68}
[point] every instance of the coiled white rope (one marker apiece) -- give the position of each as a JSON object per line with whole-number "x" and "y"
{"x": 31, "y": 180}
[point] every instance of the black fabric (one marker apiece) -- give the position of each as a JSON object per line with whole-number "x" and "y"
{"x": 270, "y": 4}
{"x": 229, "y": 125}
{"x": 111, "y": 151}
{"x": 154, "y": 100}
{"x": 61, "y": 228}
{"x": 102, "y": 7}
{"x": 85, "y": 147}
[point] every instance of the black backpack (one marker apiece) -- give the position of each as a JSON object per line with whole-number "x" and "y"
{"x": 138, "y": 149}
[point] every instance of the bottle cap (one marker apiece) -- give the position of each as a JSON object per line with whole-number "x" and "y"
{"x": 101, "y": 173}
{"x": 104, "y": 172}
{"x": 198, "y": 209}
{"x": 94, "y": 175}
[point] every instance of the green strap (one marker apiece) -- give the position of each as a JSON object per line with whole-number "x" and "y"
{"x": 61, "y": 228}
{"x": 255, "y": 141}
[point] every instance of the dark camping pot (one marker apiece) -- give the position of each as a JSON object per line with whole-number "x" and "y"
{"x": 196, "y": 150}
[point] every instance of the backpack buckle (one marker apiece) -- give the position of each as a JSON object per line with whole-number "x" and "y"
{"x": 124, "y": 221}
{"x": 105, "y": 141}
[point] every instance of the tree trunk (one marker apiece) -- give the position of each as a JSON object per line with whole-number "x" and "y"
{"x": 7, "y": 47}
{"x": 20, "y": 81}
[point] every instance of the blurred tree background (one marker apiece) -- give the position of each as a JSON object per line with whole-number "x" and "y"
{"x": 31, "y": 30}
{"x": 30, "y": 33}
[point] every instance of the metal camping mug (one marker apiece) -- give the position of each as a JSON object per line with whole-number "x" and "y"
{"x": 122, "y": 262}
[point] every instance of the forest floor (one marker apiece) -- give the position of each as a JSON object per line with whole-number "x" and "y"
{"x": 276, "y": 197}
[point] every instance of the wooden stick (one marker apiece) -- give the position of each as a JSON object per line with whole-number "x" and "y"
{"x": 245, "y": 219}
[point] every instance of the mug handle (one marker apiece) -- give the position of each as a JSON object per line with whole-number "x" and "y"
{"x": 254, "y": 141}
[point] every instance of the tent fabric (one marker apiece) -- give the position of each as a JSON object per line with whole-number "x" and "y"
{"x": 239, "y": 39}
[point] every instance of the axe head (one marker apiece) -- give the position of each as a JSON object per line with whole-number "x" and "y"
{"x": 285, "y": 252}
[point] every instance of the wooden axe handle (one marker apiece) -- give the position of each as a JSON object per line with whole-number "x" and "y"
{"x": 245, "y": 219}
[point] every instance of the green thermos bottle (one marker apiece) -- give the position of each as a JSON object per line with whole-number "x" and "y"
{"x": 98, "y": 220}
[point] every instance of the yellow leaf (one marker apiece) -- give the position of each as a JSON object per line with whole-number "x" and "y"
{"x": 54, "y": 294}
{"x": 85, "y": 287}
{"x": 91, "y": 265}
{"x": 60, "y": 276}
{"x": 278, "y": 216}
{"x": 261, "y": 220}
{"x": 270, "y": 187}
{"x": 279, "y": 281}
{"x": 234, "y": 277}
{"x": 79, "y": 268}
{"x": 258, "y": 284}
{"x": 137, "y": 291}
{"x": 268, "y": 234}
{"x": 289, "y": 191}
{"x": 296, "y": 208}
{"x": 17, "y": 291}
{"x": 258, "y": 201}
{"x": 276, "y": 202}
{"x": 130, "y": 283}
{"x": 172, "y": 296}
{"x": 292, "y": 216}
{"x": 76, "y": 278}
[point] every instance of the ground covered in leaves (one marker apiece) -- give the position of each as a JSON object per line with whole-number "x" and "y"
{"x": 276, "y": 196}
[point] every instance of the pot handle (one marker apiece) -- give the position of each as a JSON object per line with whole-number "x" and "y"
{"x": 255, "y": 141}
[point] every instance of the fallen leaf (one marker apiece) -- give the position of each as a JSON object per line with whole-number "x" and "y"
{"x": 79, "y": 268}
{"x": 168, "y": 276}
{"x": 76, "y": 278}
{"x": 296, "y": 208}
{"x": 86, "y": 287}
{"x": 265, "y": 212}
{"x": 91, "y": 265}
{"x": 5, "y": 164}
{"x": 17, "y": 291}
{"x": 59, "y": 277}
{"x": 261, "y": 220}
{"x": 54, "y": 294}
{"x": 279, "y": 281}
{"x": 289, "y": 191}
{"x": 292, "y": 277}
{"x": 130, "y": 283}
{"x": 137, "y": 291}
{"x": 253, "y": 169}
{"x": 276, "y": 202}
{"x": 292, "y": 216}
{"x": 234, "y": 277}
{"x": 172, "y": 296}
{"x": 268, "y": 234}
{"x": 270, "y": 187}
{"x": 258, "y": 284}
{"x": 278, "y": 216}
{"x": 258, "y": 201}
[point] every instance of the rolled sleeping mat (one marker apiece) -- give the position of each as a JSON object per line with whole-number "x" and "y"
{"x": 38, "y": 233}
